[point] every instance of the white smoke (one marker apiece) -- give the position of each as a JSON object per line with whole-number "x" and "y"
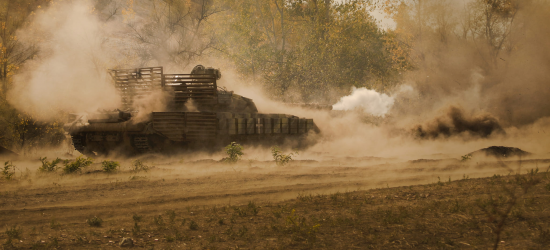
{"x": 369, "y": 101}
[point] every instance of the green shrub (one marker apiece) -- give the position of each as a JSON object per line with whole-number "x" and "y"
{"x": 138, "y": 166}
{"x": 280, "y": 158}
{"x": 9, "y": 170}
{"x": 49, "y": 166}
{"x": 77, "y": 164}
{"x": 110, "y": 166}
{"x": 234, "y": 152}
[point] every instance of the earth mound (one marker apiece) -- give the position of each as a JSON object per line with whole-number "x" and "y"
{"x": 500, "y": 152}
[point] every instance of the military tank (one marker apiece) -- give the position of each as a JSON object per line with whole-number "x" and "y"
{"x": 196, "y": 115}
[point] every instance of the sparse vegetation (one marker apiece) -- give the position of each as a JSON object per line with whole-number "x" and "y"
{"x": 94, "y": 221}
{"x": 13, "y": 232}
{"x": 469, "y": 211}
{"x": 136, "y": 229}
{"x": 234, "y": 152}
{"x": 139, "y": 166}
{"x": 498, "y": 210}
{"x": 280, "y": 158}
{"x": 8, "y": 172}
{"x": 110, "y": 166}
{"x": 49, "y": 166}
{"x": 193, "y": 225}
{"x": 77, "y": 165}
{"x": 54, "y": 224}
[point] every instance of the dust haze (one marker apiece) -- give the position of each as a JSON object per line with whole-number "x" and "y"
{"x": 438, "y": 124}
{"x": 71, "y": 72}
{"x": 460, "y": 98}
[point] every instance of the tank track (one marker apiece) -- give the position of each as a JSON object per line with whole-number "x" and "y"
{"x": 79, "y": 143}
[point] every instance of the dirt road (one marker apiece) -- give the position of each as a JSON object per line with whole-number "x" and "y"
{"x": 39, "y": 199}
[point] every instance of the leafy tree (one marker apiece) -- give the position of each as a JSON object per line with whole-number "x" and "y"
{"x": 18, "y": 130}
{"x": 14, "y": 14}
{"x": 310, "y": 47}
{"x": 173, "y": 32}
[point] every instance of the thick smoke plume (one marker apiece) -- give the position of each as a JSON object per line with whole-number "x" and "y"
{"x": 70, "y": 73}
{"x": 455, "y": 122}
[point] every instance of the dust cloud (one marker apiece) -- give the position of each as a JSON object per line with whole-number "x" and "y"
{"x": 70, "y": 73}
{"x": 456, "y": 101}
{"x": 510, "y": 84}
{"x": 462, "y": 96}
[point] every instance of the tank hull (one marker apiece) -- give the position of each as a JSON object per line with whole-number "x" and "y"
{"x": 202, "y": 116}
{"x": 174, "y": 132}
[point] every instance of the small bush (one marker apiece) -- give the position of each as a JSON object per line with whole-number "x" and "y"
{"x": 234, "y": 152}
{"x": 110, "y": 166}
{"x": 77, "y": 164}
{"x": 136, "y": 218}
{"x": 136, "y": 229}
{"x": 193, "y": 225}
{"x": 253, "y": 208}
{"x": 49, "y": 166}
{"x": 171, "y": 216}
{"x": 94, "y": 221}
{"x": 13, "y": 233}
{"x": 9, "y": 170}
{"x": 138, "y": 166}
{"x": 280, "y": 158}
{"x": 158, "y": 220}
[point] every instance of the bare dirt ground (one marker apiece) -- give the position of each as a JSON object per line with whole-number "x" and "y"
{"x": 228, "y": 203}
